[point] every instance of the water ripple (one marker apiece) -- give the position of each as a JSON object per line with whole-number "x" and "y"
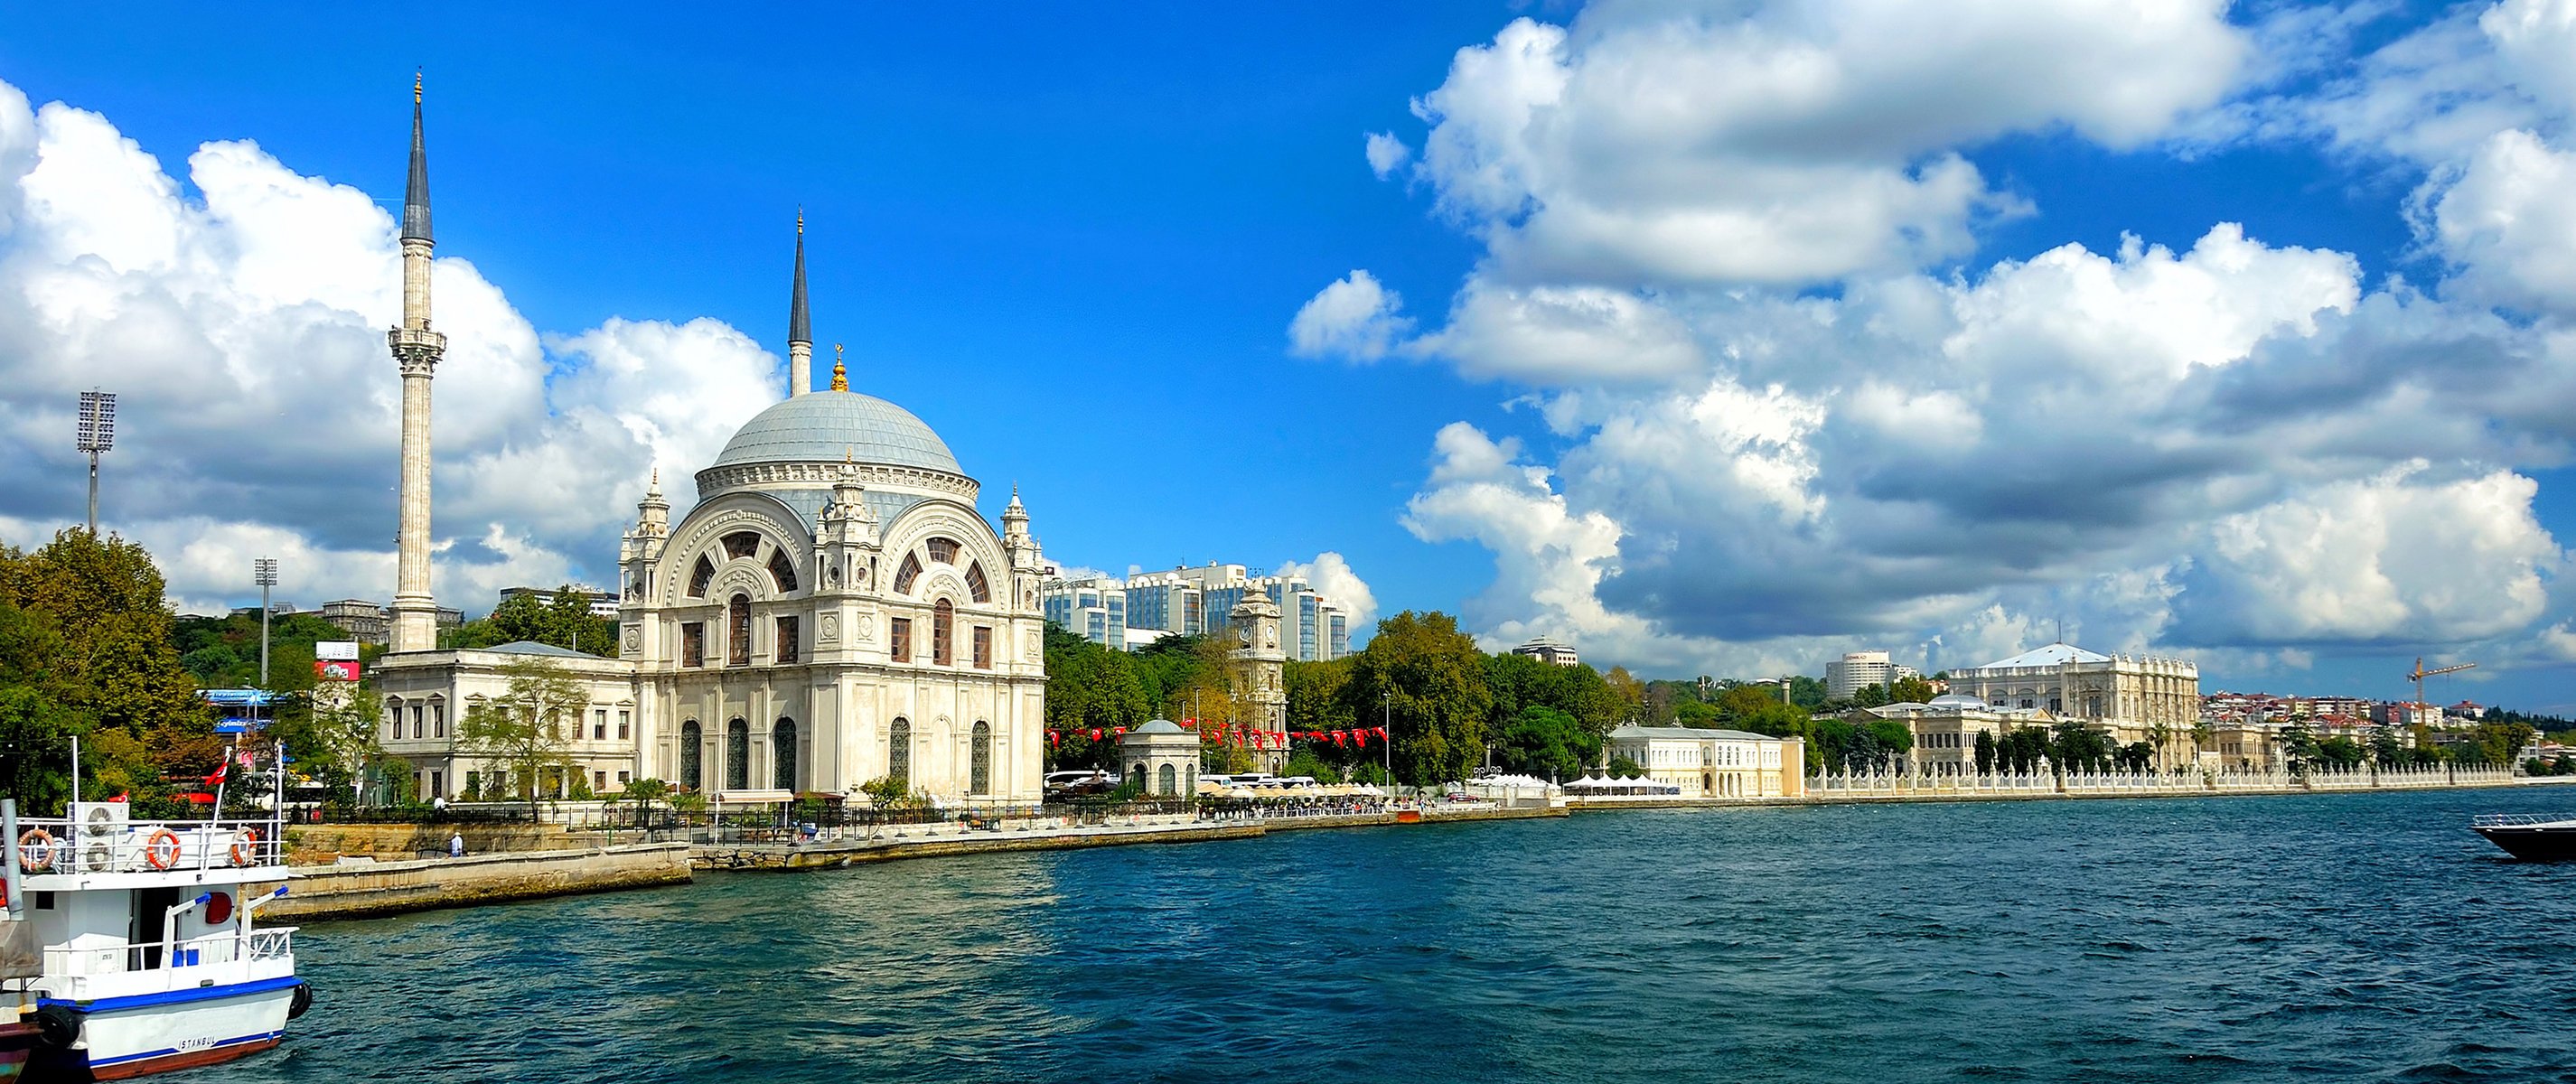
{"x": 2351, "y": 937}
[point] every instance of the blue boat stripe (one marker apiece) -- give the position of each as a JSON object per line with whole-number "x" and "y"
{"x": 174, "y": 1050}
{"x": 174, "y": 997}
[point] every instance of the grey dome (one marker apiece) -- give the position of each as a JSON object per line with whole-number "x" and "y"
{"x": 1159, "y": 726}
{"x": 826, "y": 426}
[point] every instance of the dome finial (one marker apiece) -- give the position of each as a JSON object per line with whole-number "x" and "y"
{"x": 840, "y": 375}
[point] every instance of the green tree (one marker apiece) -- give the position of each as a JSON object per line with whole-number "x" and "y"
{"x": 1548, "y": 743}
{"x": 2076, "y": 747}
{"x": 1433, "y": 678}
{"x": 1911, "y": 690}
{"x": 523, "y": 732}
{"x": 1871, "y": 696}
{"x": 86, "y": 649}
{"x": 1624, "y": 768}
{"x": 1986, "y": 752}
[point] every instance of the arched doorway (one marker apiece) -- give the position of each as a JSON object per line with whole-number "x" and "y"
{"x": 899, "y": 754}
{"x": 737, "y": 755}
{"x": 692, "y": 742}
{"x": 782, "y": 755}
{"x": 979, "y": 775}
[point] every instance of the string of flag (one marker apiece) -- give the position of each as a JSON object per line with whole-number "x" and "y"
{"x": 1231, "y": 734}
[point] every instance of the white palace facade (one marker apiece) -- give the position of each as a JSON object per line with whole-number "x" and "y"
{"x": 834, "y": 610}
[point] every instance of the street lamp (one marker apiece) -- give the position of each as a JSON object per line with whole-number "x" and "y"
{"x": 97, "y": 434}
{"x": 265, "y": 571}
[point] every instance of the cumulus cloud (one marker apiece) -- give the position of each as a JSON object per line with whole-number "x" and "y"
{"x": 1385, "y": 153}
{"x": 1356, "y": 317}
{"x": 243, "y": 326}
{"x": 1331, "y": 576}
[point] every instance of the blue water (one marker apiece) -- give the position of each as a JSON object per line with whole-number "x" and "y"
{"x": 2352, "y": 937}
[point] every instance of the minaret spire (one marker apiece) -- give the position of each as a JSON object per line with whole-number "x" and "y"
{"x": 416, "y": 351}
{"x": 800, "y": 327}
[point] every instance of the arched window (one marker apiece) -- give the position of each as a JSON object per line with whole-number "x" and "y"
{"x": 1171, "y": 780}
{"x": 782, "y": 570}
{"x": 899, "y": 754}
{"x": 943, "y": 629}
{"x": 979, "y": 775}
{"x": 742, "y": 544}
{"x": 976, "y": 586}
{"x": 700, "y": 576}
{"x": 782, "y": 757}
{"x": 942, "y": 550}
{"x": 737, "y": 755}
{"x": 738, "y": 632}
{"x": 692, "y": 740}
{"x": 907, "y": 572}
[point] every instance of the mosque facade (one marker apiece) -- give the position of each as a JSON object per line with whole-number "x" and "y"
{"x": 833, "y": 611}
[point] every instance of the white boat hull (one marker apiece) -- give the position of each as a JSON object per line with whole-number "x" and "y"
{"x": 126, "y": 1037}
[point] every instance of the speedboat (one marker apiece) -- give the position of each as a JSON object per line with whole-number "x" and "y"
{"x": 2530, "y": 838}
{"x": 150, "y": 960}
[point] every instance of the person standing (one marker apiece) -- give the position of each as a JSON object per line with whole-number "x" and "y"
{"x": 456, "y": 845}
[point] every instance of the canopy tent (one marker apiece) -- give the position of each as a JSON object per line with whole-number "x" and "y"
{"x": 1603, "y": 785}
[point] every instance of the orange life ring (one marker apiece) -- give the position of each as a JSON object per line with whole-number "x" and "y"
{"x": 246, "y": 848}
{"x": 36, "y": 849}
{"x": 161, "y": 849}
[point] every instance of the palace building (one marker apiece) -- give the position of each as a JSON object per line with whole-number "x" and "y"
{"x": 833, "y": 610}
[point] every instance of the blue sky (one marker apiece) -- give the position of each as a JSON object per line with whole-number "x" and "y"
{"x": 1074, "y": 243}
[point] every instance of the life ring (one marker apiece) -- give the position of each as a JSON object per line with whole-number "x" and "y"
{"x": 246, "y": 848}
{"x": 37, "y": 849}
{"x": 161, "y": 849}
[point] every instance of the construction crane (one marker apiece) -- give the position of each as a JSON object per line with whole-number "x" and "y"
{"x": 2420, "y": 674}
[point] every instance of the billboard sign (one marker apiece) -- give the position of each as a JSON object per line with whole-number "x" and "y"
{"x": 336, "y": 650}
{"x": 334, "y": 670}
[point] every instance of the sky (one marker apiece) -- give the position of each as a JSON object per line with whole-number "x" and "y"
{"x": 1713, "y": 338}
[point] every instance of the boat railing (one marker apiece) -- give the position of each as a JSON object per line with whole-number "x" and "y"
{"x": 2512, "y": 820}
{"x": 60, "y": 846}
{"x": 101, "y": 955}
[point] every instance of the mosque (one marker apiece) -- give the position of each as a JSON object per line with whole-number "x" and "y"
{"x": 834, "y": 610}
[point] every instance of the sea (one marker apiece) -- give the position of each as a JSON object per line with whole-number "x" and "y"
{"x": 2330, "y": 937}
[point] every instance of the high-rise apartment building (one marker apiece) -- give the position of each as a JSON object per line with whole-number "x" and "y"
{"x": 1860, "y": 669}
{"x": 1092, "y": 607}
{"x": 1198, "y": 600}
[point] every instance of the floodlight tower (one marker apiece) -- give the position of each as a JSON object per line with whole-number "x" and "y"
{"x": 97, "y": 434}
{"x": 265, "y": 571}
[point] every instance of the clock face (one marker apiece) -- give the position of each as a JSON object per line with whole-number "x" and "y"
{"x": 1243, "y": 634}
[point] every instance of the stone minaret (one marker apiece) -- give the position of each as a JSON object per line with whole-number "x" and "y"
{"x": 416, "y": 351}
{"x": 800, "y": 329}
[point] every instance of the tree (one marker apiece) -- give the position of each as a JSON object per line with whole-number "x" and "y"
{"x": 2077, "y": 747}
{"x": 86, "y": 649}
{"x": 1910, "y": 690}
{"x": 1547, "y": 743}
{"x": 1870, "y": 696}
{"x": 1431, "y": 676}
{"x": 2137, "y": 756}
{"x": 1985, "y": 752}
{"x": 521, "y": 732}
{"x": 566, "y": 621}
{"x": 344, "y": 736}
{"x": 1624, "y": 768}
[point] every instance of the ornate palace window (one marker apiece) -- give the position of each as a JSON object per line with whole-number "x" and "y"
{"x": 782, "y": 570}
{"x": 983, "y": 647}
{"x": 782, "y": 758}
{"x": 738, "y": 632}
{"x": 943, "y": 626}
{"x": 979, "y": 773}
{"x": 787, "y": 639}
{"x": 899, "y": 639}
{"x": 899, "y": 755}
{"x": 691, "y": 739}
{"x": 976, "y": 586}
{"x": 700, "y": 576}
{"x": 742, "y": 544}
{"x": 693, "y": 643}
{"x": 942, "y": 550}
{"x": 907, "y": 572}
{"x": 738, "y": 755}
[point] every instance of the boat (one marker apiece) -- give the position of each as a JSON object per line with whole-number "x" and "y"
{"x": 19, "y": 961}
{"x": 2530, "y": 838}
{"x": 150, "y": 957}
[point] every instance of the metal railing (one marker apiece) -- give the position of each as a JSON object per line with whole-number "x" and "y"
{"x": 2515, "y": 820}
{"x": 64, "y": 846}
{"x": 116, "y": 957}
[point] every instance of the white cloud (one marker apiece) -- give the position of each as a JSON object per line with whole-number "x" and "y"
{"x": 1385, "y": 153}
{"x": 1356, "y": 317}
{"x": 1330, "y": 575}
{"x": 244, "y": 329}
{"x": 2506, "y": 221}
{"x": 1790, "y": 142}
